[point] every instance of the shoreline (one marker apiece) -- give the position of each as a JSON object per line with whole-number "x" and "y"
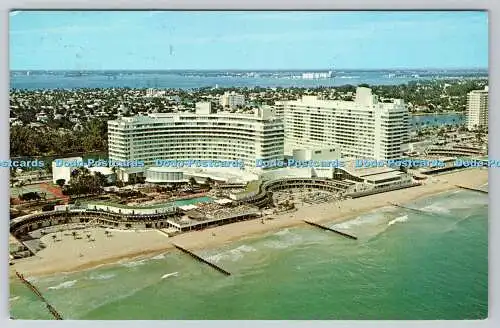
{"x": 81, "y": 255}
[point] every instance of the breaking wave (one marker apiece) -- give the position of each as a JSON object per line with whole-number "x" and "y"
{"x": 158, "y": 257}
{"x": 398, "y": 220}
{"x": 66, "y": 284}
{"x": 172, "y": 274}
{"x": 132, "y": 264}
{"x": 102, "y": 276}
{"x": 286, "y": 239}
{"x": 233, "y": 254}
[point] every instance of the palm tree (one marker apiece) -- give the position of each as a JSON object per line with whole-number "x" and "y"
{"x": 13, "y": 173}
{"x": 101, "y": 179}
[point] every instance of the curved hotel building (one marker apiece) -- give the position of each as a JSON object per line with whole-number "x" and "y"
{"x": 205, "y": 135}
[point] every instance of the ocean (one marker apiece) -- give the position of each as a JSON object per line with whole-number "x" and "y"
{"x": 406, "y": 264}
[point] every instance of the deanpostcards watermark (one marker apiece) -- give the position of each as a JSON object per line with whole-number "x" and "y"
{"x": 259, "y": 163}
{"x": 98, "y": 163}
{"x": 371, "y": 163}
{"x": 200, "y": 163}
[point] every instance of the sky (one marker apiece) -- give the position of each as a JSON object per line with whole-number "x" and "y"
{"x": 99, "y": 40}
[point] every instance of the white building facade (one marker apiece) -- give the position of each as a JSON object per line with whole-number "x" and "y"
{"x": 363, "y": 128}
{"x": 232, "y": 100}
{"x": 62, "y": 168}
{"x": 477, "y": 109}
{"x": 279, "y": 108}
{"x": 203, "y": 135}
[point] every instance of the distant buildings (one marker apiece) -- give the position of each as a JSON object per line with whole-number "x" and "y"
{"x": 154, "y": 93}
{"x": 317, "y": 75}
{"x": 363, "y": 128}
{"x": 477, "y": 109}
{"x": 42, "y": 117}
{"x": 232, "y": 100}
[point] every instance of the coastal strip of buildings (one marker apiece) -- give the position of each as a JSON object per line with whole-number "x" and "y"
{"x": 307, "y": 129}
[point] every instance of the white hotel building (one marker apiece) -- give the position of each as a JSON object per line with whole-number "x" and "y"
{"x": 232, "y": 100}
{"x": 363, "y": 128}
{"x": 477, "y": 109}
{"x": 203, "y": 135}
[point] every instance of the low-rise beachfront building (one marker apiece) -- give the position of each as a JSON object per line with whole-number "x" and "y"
{"x": 62, "y": 168}
{"x": 206, "y": 137}
{"x": 165, "y": 175}
{"x": 347, "y": 180}
{"x": 363, "y": 128}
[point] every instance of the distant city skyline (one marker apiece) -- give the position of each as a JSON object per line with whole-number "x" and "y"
{"x": 236, "y": 70}
{"x": 182, "y": 40}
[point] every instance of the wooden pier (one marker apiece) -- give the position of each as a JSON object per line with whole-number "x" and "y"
{"x": 331, "y": 229}
{"x": 201, "y": 259}
{"x": 35, "y": 290}
{"x": 409, "y": 208}
{"x": 472, "y": 189}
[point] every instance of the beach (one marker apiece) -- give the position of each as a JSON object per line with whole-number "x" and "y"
{"x": 71, "y": 254}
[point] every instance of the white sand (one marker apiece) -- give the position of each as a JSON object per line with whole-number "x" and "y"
{"x": 65, "y": 256}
